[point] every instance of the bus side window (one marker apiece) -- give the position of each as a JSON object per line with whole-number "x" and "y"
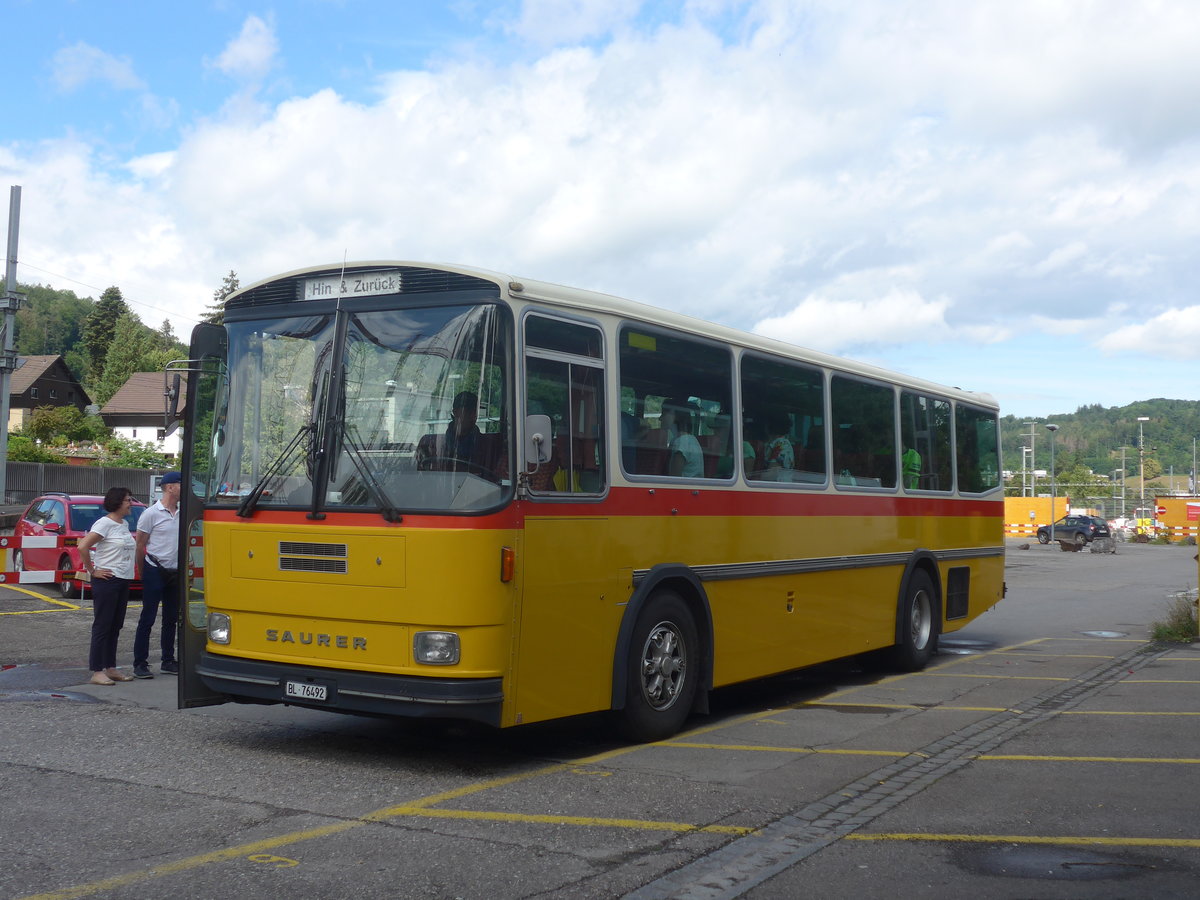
{"x": 564, "y": 379}
{"x": 864, "y": 435}
{"x": 925, "y": 459}
{"x": 682, "y": 387}
{"x": 975, "y": 432}
{"x": 783, "y": 435}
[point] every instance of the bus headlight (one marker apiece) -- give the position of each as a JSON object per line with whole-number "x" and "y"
{"x": 218, "y": 628}
{"x": 436, "y": 648}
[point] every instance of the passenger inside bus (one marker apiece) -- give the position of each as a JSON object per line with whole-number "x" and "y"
{"x": 780, "y": 457}
{"x": 685, "y": 459}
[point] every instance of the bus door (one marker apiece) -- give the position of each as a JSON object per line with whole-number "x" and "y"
{"x": 571, "y": 597}
{"x": 207, "y": 383}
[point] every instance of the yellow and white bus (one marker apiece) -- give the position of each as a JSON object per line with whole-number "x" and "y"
{"x": 423, "y": 490}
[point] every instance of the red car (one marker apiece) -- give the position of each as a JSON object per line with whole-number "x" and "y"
{"x": 65, "y": 515}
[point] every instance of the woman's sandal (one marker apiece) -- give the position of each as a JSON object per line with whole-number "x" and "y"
{"x": 101, "y": 678}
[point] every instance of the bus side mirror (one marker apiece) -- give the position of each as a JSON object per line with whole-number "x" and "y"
{"x": 171, "y": 413}
{"x": 537, "y": 440}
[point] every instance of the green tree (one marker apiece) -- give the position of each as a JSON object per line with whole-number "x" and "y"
{"x": 99, "y": 330}
{"x": 131, "y": 350}
{"x": 215, "y": 314}
{"x": 61, "y": 424}
{"x": 120, "y": 451}
{"x": 24, "y": 448}
{"x": 50, "y": 322}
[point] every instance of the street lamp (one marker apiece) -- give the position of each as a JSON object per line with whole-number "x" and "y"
{"x": 1142, "y": 462}
{"x": 1053, "y": 486}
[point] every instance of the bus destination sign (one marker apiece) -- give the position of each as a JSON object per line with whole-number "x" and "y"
{"x": 357, "y": 284}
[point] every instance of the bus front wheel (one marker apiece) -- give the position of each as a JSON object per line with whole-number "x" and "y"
{"x": 918, "y": 625}
{"x": 662, "y": 669}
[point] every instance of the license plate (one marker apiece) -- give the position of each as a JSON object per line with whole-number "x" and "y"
{"x": 306, "y": 691}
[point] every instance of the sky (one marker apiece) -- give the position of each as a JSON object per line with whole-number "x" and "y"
{"x": 1001, "y": 196}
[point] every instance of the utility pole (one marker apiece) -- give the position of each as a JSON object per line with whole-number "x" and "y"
{"x": 1053, "y": 478}
{"x": 1032, "y": 466}
{"x": 8, "y": 357}
{"x": 1142, "y": 460}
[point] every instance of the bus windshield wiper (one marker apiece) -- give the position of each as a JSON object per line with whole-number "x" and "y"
{"x": 250, "y": 501}
{"x": 387, "y": 508}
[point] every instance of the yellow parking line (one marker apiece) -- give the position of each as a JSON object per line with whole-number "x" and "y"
{"x": 1058, "y": 655}
{"x": 1119, "y": 712}
{"x": 820, "y": 703}
{"x": 1064, "y": 840}
{"x": 895, "y": 754}
{"x": 583, "y": 821}
{"x": 36, "y": 596}
{"x": 997, "y": 677}
{"x": 1018, "y": 757}
{"x": 193, "y": 862}
{"x": 296, "y": 837}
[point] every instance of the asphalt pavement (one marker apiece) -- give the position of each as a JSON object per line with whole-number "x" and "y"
{"x": 1051, "y": 750}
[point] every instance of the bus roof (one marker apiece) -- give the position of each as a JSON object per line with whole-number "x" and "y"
{"x": 582, "y": 300}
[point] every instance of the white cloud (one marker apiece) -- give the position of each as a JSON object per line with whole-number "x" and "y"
{"x": 900, "y": 316}
{"x": 74, "y": 66}
{"x": 551, "y": 22}
{"x": 1061, "y": 257}
{"x": 1173, "y": 334}
{"x": 921, "y": 173}
{"x": 251, "y": 54}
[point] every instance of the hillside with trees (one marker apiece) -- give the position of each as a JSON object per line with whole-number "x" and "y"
{"x": 102, "y": 342}
{"x": 1087, "y": 445}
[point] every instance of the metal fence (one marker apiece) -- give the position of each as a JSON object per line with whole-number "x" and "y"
{"x": 27, "y": 480}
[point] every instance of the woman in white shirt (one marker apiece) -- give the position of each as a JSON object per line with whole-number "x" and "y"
{"x": 107, "y": 554}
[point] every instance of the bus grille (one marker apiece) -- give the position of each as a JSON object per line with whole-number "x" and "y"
{"x": 300, "y": 548}
{"x": 299, "y": 564}
{"x": 302, "y": 556}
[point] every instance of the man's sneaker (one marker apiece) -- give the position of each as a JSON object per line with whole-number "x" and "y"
{"x": 142, "y": 671}
{"x": 169, "y": 667}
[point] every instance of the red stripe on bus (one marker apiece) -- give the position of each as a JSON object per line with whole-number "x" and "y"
{"x": 657, "y": 501}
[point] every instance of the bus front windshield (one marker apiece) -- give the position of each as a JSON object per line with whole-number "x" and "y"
{"x": 389, "y": 411}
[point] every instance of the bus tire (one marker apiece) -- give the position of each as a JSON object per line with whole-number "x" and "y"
{"x": 663, "y": 669}
{"x": 918, "y": 625}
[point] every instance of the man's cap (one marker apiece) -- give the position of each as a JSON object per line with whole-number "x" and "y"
{"x": 171, "y": 478}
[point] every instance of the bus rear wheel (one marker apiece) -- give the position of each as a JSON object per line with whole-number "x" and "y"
{"x": 662, "y": 670}
{"x": 918, "y": 625}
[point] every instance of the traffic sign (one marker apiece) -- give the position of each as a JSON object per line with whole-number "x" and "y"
{"x": 1160, "y": 511}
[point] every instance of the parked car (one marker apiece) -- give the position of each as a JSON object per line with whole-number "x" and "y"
{"x": 1077, "y": 529}
{"x": 62, "y": 515}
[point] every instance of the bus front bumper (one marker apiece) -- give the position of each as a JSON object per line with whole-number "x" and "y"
{"x": 340, "y": 690}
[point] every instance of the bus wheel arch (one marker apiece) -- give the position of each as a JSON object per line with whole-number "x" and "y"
{"x": 918, "y": 615}
{"x": 669, "y": 604}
